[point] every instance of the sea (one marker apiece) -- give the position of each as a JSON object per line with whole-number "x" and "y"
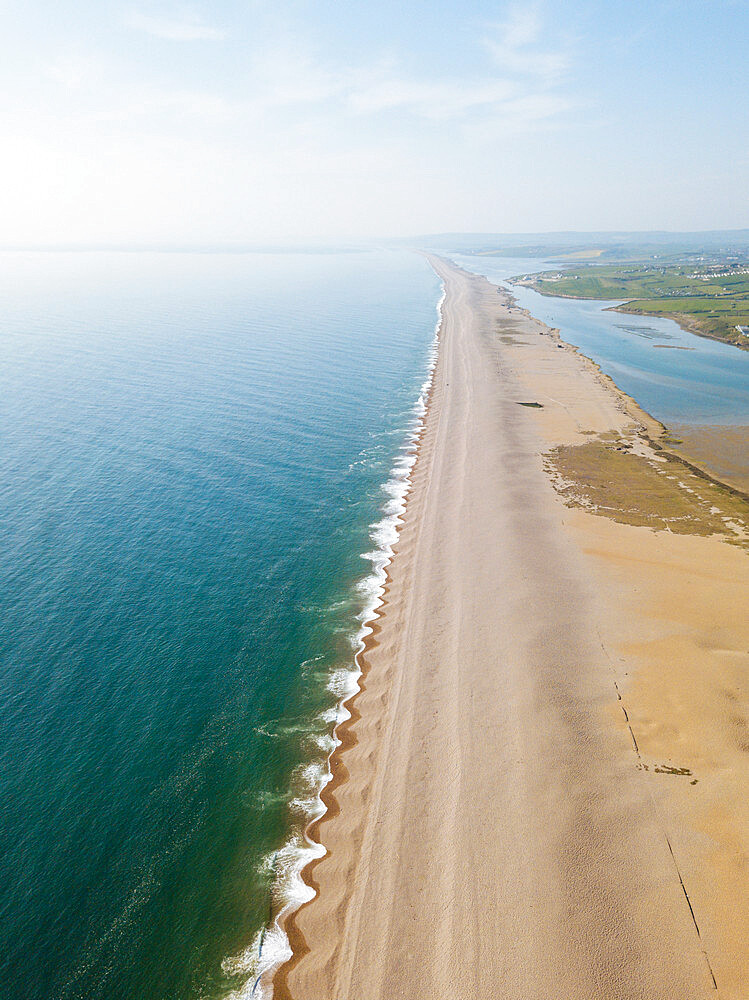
{"x": 204, "y": 458}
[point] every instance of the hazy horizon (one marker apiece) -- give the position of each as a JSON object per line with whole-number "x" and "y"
{"x": 694, "y": 240}
{"x": 192, "y": 124}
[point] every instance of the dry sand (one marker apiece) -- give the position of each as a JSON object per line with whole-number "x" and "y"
{"x": 511, "y": 815}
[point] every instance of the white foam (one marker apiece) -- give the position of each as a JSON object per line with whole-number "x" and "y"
{"x": 270, "y": 948}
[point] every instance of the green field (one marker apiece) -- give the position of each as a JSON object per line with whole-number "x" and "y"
{"x": 709, "y": 299}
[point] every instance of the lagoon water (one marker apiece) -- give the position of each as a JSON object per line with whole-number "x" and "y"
{"x": 193, "y": 453}
{"x": 708, "y": 383}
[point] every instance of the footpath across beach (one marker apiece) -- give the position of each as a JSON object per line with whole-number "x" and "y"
{"x": 541, "y": 793}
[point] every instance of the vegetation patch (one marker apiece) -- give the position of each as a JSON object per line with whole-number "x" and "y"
{"x": 625, "y": 480}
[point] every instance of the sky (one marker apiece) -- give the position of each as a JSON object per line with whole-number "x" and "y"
{"x": 286, "y": 121}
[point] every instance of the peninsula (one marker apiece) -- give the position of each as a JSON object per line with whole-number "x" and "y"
{"x": 541, "y": 792}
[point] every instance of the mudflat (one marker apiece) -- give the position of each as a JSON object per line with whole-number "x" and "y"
{"x": 541, "y": 792}
{"x": 722, "y": 450}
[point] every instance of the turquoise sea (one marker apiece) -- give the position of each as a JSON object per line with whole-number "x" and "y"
{"x": 197, "y": 451}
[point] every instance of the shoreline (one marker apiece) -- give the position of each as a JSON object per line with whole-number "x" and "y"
{"x": 685, "y": 321}
{"x": 344, "y": 733}
{"x": 370, "y": 626}
{"x": 399, "y": 796}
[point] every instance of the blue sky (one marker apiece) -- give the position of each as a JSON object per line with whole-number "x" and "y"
{"x": 281, "y": 121}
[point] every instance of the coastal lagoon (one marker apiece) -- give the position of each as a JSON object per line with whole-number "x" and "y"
{"x": 697, "y": 387}
{"x": 676, "y": 376}
{"x": 193, "y": 460}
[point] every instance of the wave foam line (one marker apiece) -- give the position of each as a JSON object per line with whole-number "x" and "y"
{"x": 270, "y": 948}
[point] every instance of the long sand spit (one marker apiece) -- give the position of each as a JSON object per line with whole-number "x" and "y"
{"x": 541, "y": 792}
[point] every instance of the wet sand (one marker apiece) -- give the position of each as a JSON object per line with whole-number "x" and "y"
{"x": 722, "y": 451}
{"x": 511, "y": 815}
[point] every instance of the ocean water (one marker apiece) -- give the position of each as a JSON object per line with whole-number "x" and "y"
{"x": 705, "y": 382}
{"x": 197, "y": 451}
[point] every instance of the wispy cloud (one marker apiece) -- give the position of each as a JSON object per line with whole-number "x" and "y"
{"x": 428, "y": 98}
{"x": 288, "y": 84}
{"x": 494, "y": 101}
{"x": 184, "y": 26}
{"x": 295, "y": 78}
{"x": 289, "y": 74}
{"x": 524, "y": 84}
{"x": 517, "y": 48}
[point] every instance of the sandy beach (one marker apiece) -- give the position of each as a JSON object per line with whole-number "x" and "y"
{"x": 541, "y": 792}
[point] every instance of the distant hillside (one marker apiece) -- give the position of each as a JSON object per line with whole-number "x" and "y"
{"x": 602, "y": 246}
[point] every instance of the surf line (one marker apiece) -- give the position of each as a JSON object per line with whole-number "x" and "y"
{"x": 384, "y": 535}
